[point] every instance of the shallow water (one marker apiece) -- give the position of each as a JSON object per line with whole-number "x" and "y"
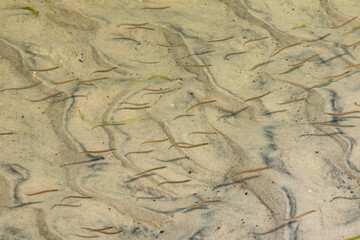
{"x": 141, "y": 121}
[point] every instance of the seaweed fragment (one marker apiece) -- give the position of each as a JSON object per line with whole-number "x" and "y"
{"x": 353, "y": 238}
{"x": 110, "y": 122}
{"x": 153, "y": 77}
{"x": 301, "y": 26}
{"x": 33, "y": 11}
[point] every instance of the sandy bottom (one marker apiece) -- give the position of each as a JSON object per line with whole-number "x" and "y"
{"x": 179, "y": 119}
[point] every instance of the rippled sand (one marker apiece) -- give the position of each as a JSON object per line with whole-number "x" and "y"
{"x": 141, "y": 121}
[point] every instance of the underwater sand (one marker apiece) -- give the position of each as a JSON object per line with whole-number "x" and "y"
{"x": 184, "y": 93}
